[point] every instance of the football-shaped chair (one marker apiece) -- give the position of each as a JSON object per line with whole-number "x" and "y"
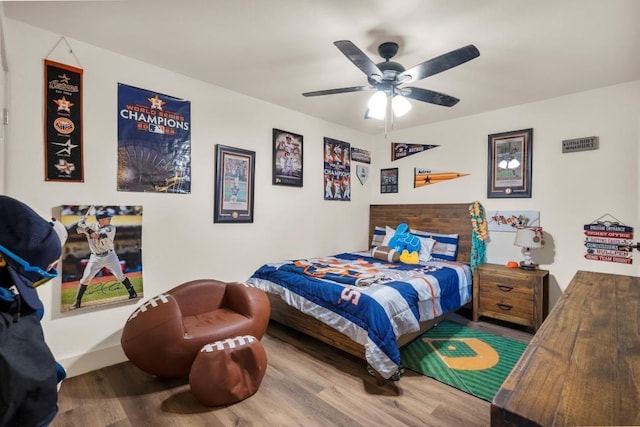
{"x": 163, "y": 336}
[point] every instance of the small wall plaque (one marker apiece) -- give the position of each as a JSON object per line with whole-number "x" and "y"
{"x": 580, "y": 144}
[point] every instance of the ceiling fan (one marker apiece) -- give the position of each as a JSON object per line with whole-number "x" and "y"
{"x": 388, "y": 76}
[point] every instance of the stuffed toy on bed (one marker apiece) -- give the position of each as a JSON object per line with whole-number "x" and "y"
{"x": 385, "y": 253}
{"x": 406, "y": 244}
{"x": 409, "y": 257}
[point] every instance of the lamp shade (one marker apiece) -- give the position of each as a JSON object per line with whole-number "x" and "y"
{"x": 377, "y": 106}
{"x": 529, "y": 237}
{"x": 400, "y": 105}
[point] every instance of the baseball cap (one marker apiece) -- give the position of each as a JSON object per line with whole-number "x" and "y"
{"x": 103, "y": 214}
{"x": 29, "y": 244}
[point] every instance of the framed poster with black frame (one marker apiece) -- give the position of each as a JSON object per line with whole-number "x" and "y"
{"x": 234, "y": 186}
{"x": 389, "y": 180}
{"x": 509, "y": 165}
{"x": 337, "y": 170}
{"x": 287, "y": 158}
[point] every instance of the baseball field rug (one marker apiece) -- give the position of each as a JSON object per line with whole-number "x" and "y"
{"x": 473, "y": 361}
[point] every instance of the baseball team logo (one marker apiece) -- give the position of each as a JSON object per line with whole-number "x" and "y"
{"x": 63, "y": 125}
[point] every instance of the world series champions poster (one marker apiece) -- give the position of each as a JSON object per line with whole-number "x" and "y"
{"x": 337, "y": 170}
{"x": 154, "y": 142}
{"x": 63, "y": 122}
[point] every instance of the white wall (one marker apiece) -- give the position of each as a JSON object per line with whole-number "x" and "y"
{"x": 180, "y": 241}
{"x": 569, "y": 190}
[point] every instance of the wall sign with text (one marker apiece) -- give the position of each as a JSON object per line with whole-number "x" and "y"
{"x": 608, "y": 241}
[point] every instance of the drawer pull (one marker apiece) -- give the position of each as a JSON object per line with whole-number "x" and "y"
{"x": 505, "y": 307}
{"x": 505, "y": 288}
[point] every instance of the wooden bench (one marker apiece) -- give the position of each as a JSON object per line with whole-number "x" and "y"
{"x": 583, "y": 365}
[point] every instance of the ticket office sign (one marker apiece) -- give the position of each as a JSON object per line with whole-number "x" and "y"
{"x": 609, "y": 242}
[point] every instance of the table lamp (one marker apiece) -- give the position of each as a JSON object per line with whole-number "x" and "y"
{"x": 529, "y": 238}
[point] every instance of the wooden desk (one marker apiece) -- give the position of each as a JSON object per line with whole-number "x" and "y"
{"x": 583, "y": 365}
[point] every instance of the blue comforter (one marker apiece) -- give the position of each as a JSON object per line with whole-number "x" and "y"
{"x": 372, "y": 302}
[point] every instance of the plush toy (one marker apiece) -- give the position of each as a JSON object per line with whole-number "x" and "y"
{"x": 409, "y": 257}
{"x": 403, "y": 241}
{"x": 385, "y": 253}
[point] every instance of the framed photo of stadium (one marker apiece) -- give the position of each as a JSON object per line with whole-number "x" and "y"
{"x": 509, "y": 166}
{"x": 287, "y": 158}
{"x": 234, "y": 186}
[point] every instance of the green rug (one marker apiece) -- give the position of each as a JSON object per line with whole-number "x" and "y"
{"x": 473, "y": 361}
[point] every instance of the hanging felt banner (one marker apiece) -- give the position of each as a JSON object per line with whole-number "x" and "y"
{"x": 154, "y": 142}
{"x": 401, "y": 150}
{"x": 424, "y": 177}
{"x": 63, "y": 123}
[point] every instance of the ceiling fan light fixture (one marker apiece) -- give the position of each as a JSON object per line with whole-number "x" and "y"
{"x": 400, "y": 105}
{"x": 377, "y": 106}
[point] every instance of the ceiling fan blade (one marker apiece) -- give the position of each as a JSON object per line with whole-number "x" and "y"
{"x": 360, "y": 59}
{"x": 340, "y": 90}
{"x": 439, "y": 64}
{"x": 429, "y": 96}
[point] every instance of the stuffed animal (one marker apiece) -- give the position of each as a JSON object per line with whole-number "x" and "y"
{"x": 409, "y": 257}
{"x": 403, "y": 241}
{"x": 385, "y": 253}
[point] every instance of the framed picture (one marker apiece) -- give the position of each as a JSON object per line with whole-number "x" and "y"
{"x": 389, "y": 180}
{"x": 287, "y": 158}
{"x": 360, "y": 155}
{"x": 337, "y": 170}
{"x": 111, "y": 265}
{"x": 509, "y": 167}
{"x": 234, "y": 185}
{"x": 512, "y": 220}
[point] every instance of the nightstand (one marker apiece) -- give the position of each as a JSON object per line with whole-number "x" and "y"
{"x": 510, "y": 294}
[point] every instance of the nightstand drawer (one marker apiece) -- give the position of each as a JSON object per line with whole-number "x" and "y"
{"x": 507, "y": 287}
{"x": 514, "y": 307}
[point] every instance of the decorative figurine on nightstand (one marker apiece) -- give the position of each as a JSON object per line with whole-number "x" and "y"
{"x": 529, "y": 238}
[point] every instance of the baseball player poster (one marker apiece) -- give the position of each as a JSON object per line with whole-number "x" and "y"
{"x": 154, "y": 142}
{"x": 102, "y": 259}
{"x": 337, "y": 170}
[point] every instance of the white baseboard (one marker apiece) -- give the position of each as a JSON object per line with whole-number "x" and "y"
{"x": 93, "y": 360}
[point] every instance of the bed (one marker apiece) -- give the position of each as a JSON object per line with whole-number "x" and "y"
{"x": 371, "y": 307}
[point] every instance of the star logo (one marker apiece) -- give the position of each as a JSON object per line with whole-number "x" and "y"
{"x": 65, "y": 167}
{"x": 64, "y": 79}
{"x": 156, "y": 103}
{"x": 68, "y": 146}
{"x": 63, "y": 104}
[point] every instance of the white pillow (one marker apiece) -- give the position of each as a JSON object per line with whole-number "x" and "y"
{"x": 426, "y": 246}
{"x": 390, "y": 232}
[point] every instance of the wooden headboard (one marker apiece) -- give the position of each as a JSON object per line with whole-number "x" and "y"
{"x": 437, "y": 218}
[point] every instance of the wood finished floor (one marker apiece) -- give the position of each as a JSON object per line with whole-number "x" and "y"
{"x": 307, "y": 384}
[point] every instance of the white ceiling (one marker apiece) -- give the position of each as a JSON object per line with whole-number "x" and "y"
{"x": 275, "y": 50}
